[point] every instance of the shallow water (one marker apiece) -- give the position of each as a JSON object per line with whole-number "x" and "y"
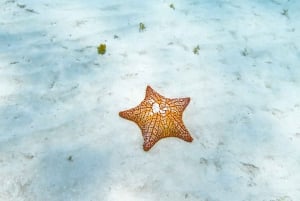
{"x": 61, "y": 137}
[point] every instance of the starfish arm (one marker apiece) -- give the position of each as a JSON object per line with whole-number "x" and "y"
{"x": 131, "y": 114}
{"x": 180, "y": 103}
{"x": 178, "y": 129}
{"x": 152, "y": 95}
{"x": 150, "y": 132}
{"x": 149, "y": 142}
{"x": 149, "y": 91}
{"x": 183, "y": 133}
{"x": 125, "y": 114}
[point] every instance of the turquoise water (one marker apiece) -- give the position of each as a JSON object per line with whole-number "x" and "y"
{"x": 60, "y": 134}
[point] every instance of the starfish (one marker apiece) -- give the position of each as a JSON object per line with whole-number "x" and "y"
{"x": 159, "y": 117}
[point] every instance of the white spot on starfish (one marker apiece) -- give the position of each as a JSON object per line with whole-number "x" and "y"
{"x": 155, "y": 108}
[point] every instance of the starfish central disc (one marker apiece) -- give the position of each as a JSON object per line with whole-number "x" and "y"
{"x": 155, "y": 108}
{"x": 159, "y": 117}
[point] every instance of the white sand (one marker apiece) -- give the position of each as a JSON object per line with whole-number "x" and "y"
{"x": 61, "y": 137}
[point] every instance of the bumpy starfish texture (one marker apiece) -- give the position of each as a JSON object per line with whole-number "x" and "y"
{"x": 159, "y": 117}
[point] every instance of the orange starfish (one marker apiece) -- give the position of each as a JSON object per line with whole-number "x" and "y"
{"x": 159, "y": 117}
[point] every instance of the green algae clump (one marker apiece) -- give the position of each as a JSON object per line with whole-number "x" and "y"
{"x": 196, "y": 49}
{"x": 101, "y": 49}
{"x": 172, "y": 6}
{"x": 142, "y": 27}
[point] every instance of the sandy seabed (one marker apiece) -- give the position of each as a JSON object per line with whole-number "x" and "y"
{"x": 61, "y": 137}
